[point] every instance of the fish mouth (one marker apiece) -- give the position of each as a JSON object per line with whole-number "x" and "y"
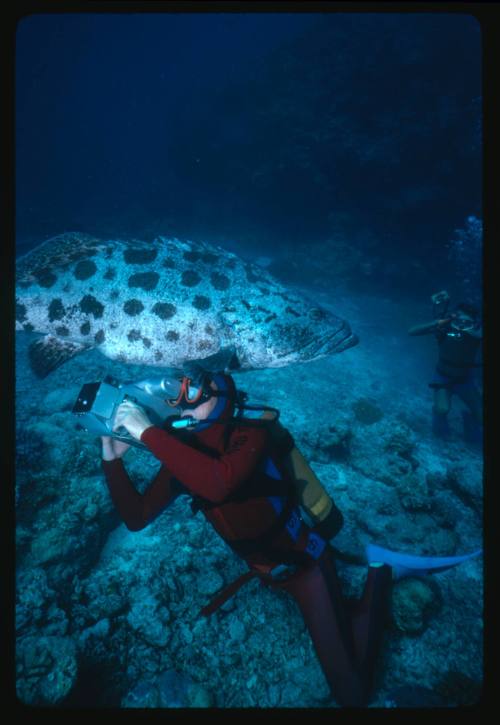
{"x": 338, "y": 341}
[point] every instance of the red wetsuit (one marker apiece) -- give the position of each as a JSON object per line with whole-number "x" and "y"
{"x": 252, "y": 507}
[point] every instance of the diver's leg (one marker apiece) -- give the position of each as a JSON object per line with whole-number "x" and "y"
{"x": 369, "y": 617}
{"x": 471, "y": 396}
{"x": 473, "y": 416}
{"x": 319, "y": 596}
{"x": 440, "y": 410}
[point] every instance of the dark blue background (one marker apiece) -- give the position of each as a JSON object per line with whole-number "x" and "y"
{"x": 250, "y": 130}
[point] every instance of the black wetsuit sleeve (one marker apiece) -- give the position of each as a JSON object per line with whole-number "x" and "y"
{"x": 138, "y": 510}
{"x": 424, "y": 329}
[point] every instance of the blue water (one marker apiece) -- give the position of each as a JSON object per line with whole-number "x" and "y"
{"x": 341, "y": 152}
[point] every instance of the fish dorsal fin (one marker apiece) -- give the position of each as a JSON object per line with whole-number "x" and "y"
{"x": 50, "y": 352}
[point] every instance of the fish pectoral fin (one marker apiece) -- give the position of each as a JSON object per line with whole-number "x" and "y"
{"x": 50, "y": 352}
{"x": 225, "y": 359}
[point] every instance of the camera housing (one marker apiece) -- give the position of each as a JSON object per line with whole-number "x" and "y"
{"x": 97, "y": 403}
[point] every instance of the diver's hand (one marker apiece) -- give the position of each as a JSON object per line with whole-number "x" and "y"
{"x": 112, "y": 449}
{"x": 132, "y": 417}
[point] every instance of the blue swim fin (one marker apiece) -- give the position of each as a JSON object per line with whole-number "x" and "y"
{"x": 410, "y": 565}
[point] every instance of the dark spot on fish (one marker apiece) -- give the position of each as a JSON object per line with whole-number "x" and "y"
{"x": 219, "y": 281}
{"x": 164, "y": 310}
{"x": 204, "y": 345}
{"x": 291, "y": 311}
{"x": 56, "y": 310}
{"x": 139, "y": 256}
{"x": 113, "y": 325}
{"x": 209, "y": 258}
{"x": 109, "y": 252}
{"x": 190, "y": 278}
{"x": 158, "y": 355}
{"x": 192, "y": 256}
{"x": 28, "y": 327}
{"x": 62, "y": 331}
{"x": 145, "y": 280}
{"x": 172, "y": 336}
{"x": 134, "y": 335}
{"x": 251, "y": 277}
{"x": 264, "y": 290}
{"x": 231, "y": 263}
{"x": 317, "y": 314}
{"x": 249, "y": 307}
{"x": 20, "y": 312}
{"x": 263, "y": 309}
{"x": 133, "y": 307}
{"x": 114, "y": 294}
{"x": 89, "y": 305}
{"x": 169, "y": 263}
{"x": 67, "y": 287}
{"x": 191, "y": 325}
{"x": 85, "y": 328}
{"x": 110, "y": 273}
{"x": 146, "y": 342}
{"x": 85, "y": 269}
{"x": 45, "y": 277}
{"x": 201, "y": 302}
{"x": 99, "y": 337}
{"x": 209, "y": 329}
{"x": 271, "y": 317}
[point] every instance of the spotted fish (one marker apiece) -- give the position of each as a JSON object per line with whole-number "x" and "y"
{"x": 163, "y": 303}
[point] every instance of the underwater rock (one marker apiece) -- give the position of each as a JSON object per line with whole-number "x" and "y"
{"x": 466, "y": 482}
{"x": 148, "y": 617}
{"x": 209, "y": 582}
{"x": 144, "y": 695}
{"x": 327, "y": 444}
{"x": 33, "y": 597}
{"x": 170, "y": 689}
{"x": 412, "y": 601}
{"x": 413, "y": 492}
{"x": 367, "y": 411}
{"x": 46, "y": 669}
{"x": 384, "y": 451}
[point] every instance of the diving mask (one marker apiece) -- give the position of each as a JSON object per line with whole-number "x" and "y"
{"x": 463, "y": 323}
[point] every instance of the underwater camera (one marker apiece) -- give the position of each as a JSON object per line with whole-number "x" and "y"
{"x": 97, "y": 403}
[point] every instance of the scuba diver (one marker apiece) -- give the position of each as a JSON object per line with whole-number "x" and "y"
{"x": 459, "y": 336}
{"x": 253, "y": 486}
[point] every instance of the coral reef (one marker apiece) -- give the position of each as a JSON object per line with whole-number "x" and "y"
{"x": 412, "y": 601}
{"x": 111, "y": 617}
{"x": 46, "y": 669}
{"x": 367, "y": 411}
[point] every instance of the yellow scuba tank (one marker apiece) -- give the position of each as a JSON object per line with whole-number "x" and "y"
{"x": 311, "y": 494}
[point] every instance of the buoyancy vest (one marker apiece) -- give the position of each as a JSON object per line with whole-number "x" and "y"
{"x": 270, "y": 497}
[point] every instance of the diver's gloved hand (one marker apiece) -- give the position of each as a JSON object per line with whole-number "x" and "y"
{"x": 133, "y": 418}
